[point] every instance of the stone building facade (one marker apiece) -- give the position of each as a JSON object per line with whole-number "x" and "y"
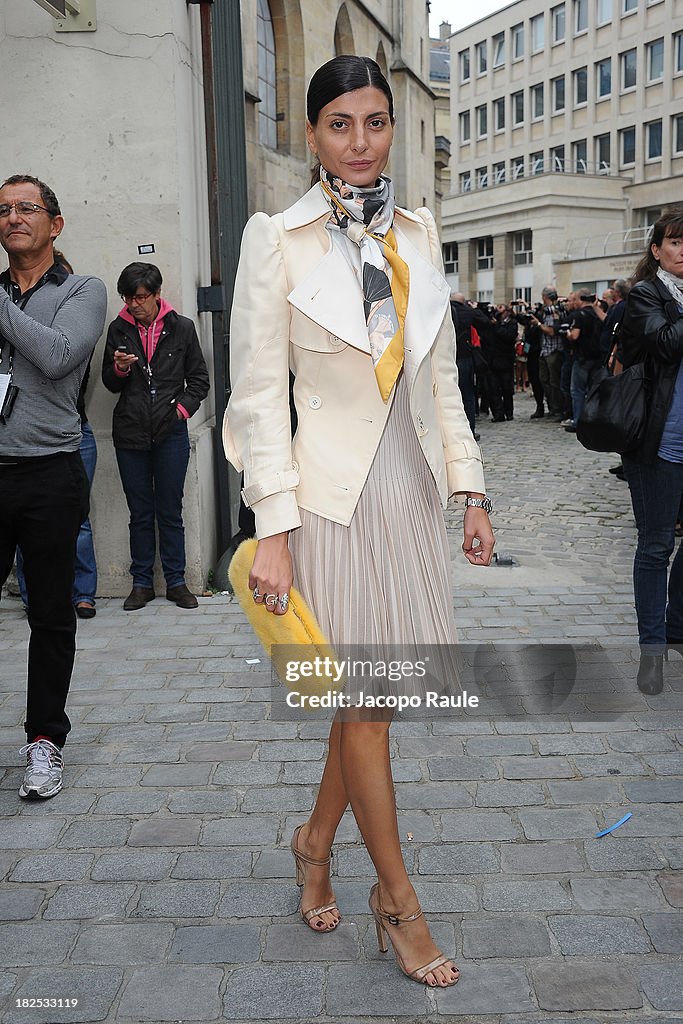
{"x": 567, "y": 136}
{"x": 114, "y": 120}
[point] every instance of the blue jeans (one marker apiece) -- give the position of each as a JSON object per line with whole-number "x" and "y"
{"x": 153, "y": 482}
{"x": 85, "y": 566}
{"x": 581, "y": 372}
{"x": 657, "y": 492}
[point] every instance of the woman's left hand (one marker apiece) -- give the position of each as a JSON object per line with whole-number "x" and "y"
{"x": 478, "y": 540}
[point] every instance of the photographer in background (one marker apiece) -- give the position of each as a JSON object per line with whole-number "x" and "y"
{"x": 469, "y": 360}
{"x": 547, "y": 320}
{"x": 584, "y": 338}
{"x": 501, "y": 340}
{"x": 50, "y": 321}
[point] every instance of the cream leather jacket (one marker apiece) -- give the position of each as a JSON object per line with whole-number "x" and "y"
{"x": 298, "y": 304}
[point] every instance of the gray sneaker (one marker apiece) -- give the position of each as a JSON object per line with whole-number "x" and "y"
{"x": 43, "y": 775}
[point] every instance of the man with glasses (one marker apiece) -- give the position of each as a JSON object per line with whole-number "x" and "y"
{"x": 50, "y": 321}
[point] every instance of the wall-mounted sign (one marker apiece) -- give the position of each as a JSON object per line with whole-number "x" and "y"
{"x": 71, "y": 15}
{"x": 147, "y": 249}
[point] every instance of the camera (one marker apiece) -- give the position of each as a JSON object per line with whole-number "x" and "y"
{"x": 563, "y": 330}
{"x": 487, "y": 307}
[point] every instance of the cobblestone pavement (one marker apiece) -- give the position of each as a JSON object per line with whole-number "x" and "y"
{"x": 158, "y": 886}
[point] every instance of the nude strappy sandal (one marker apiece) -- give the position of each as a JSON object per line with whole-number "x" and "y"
{"x": 420, "y": 973}
{"x": 300, "y": 859}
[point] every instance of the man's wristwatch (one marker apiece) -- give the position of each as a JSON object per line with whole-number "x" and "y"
{"x": 484, "y": 503}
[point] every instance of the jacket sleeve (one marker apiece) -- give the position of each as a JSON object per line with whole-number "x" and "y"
{"x": 112, "y": 380}
{"x": 647, "y": 329}
{"x": 464, "y": 468}
{"x": 69, "y": 340}
{"x": 256, "y": 428}
{"x": 196, "y": 372}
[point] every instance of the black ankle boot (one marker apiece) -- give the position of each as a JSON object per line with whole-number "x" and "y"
{"x": 651, "y": 673}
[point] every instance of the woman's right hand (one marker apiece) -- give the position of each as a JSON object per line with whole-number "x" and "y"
{"x": 124, "y": 360}
{"x": 271, "y": 573}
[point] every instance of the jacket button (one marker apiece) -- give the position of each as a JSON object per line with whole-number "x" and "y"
{"x": 315, "y": 401}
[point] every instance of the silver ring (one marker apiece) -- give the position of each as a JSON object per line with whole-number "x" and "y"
{"x": 268, "y": 598}
{"x": 283, "y": 601}
{"x": 255, "y": 593}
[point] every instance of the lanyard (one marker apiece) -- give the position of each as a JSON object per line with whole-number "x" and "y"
{"x": 21, "y": 303}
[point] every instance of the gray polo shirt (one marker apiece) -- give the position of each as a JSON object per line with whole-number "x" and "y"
{"x": 53, "y": 337}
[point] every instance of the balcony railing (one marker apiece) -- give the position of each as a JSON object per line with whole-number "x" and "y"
{"x": 534, "y": 169}
{"x": 614, "y": 243}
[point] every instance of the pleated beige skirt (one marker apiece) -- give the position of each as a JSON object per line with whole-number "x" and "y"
{"x": 384, "y": 579}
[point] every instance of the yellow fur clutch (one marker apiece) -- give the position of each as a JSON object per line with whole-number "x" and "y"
{"x": 298, "y": 628}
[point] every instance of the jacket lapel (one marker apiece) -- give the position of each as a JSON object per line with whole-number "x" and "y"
{"x": 317, "y": 296}
{"x": 429, "y": 299}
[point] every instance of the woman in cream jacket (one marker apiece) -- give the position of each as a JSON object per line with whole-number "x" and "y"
{"x": 348, "y": 292}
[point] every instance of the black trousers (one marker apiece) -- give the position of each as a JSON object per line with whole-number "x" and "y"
{"x": 534, "y": 374}
{"x": 502, "y": 387}
{"x": 43, "y": 502}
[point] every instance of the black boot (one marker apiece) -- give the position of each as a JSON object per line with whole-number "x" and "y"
{"x": 651, "y": 673}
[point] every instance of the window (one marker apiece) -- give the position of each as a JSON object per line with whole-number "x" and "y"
{"x": 678, "y": 52}
{"x": 537, "y": 162}
{"x": 678, "y": 133}
{"x": 485, "y": 253}
{"x": 537, "y": 33}
{"x": 517, "y": 100}
{"x": 603, "y": 77}
{"x": 466, "y": 181}
{"x": 482, "y": 177}
{"x": 604, "y": 11}
{"x": 602, "y": 153}
{"x": 580, "y": 16}
{"x": 517, "y": 167}
{"x": 517, "y": 41}
{"x": 267, "y": 76}
{"x": 559, "y": 23}
{"x": 499, "y": 50}
{"x": 499, "y": 173}
{"x": 655, "y": 60}
{"x": 630, "y": 6}
{"x": 580, "y": 86}
{"x": 524, "y": 294}
{"x": 558, "y": 94}
{"x": 580, "y": 156}
{"x": 628, "y": 69}
{"x": 464, "y": 60}
{"x": 499, "y": 114}
{"x": 464, "y": 126}
{"x": 482, "y": 120}
{"x": 482, "y": 60}
{"x": 654, "y": 140}
{"x": 537, "y": 101}
{"x": 522, "y": 254}
{"x": 557, "y": 158}
{"x": 628, "y": 146}
{"x": 450, "y": 257}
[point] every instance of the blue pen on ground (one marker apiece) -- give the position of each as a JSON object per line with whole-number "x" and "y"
{"x": 606, "y": 831}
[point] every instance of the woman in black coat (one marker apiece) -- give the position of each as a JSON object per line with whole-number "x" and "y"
{"x": 153, "y": 361}
{"x": 652, "y": 331}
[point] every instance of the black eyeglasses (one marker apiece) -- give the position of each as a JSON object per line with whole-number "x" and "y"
{"x": 23, "y": 209}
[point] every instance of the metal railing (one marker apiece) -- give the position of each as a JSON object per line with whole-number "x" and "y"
{"x": 614, "y": 243}
{"x": 533, "y": 169}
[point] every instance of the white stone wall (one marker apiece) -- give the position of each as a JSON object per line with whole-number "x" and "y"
{"x": 113, "y": 121}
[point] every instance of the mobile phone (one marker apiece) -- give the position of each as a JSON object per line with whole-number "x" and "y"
{"x": 122, "y": 348}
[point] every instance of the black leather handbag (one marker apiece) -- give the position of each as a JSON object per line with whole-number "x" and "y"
{"x": 614, "y": 415}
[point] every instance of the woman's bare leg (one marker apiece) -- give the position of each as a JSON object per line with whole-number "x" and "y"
{"x": 317, "y": 835}
{"x": 366, "y": 770}
{"x": 358, "y": 770}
